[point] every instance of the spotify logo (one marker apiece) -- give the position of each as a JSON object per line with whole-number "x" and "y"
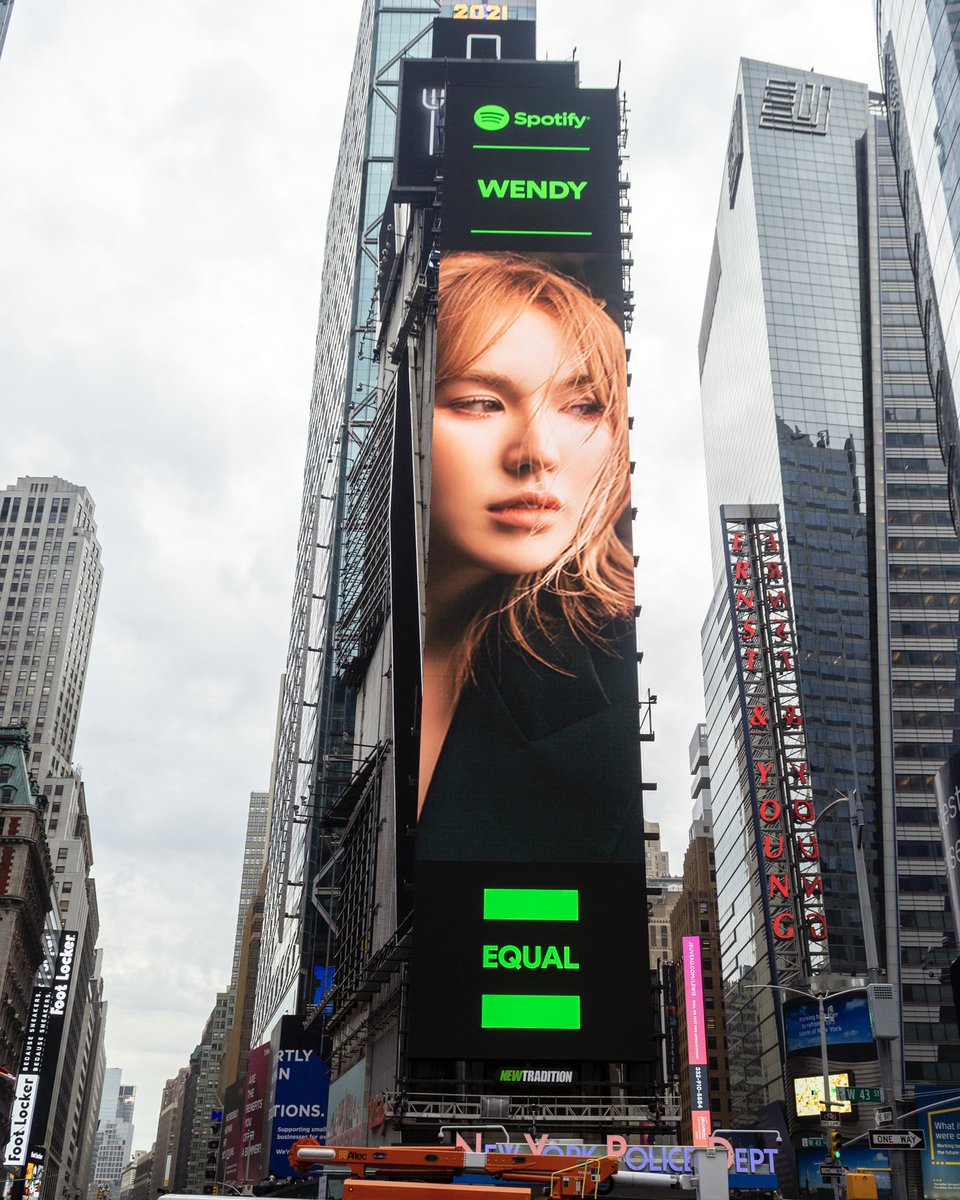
{"x": 491, "y": 116}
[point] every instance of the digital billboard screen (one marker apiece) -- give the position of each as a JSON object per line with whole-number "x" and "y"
{"x": 846, "y": 1023}
{"x": 530, "y": 842}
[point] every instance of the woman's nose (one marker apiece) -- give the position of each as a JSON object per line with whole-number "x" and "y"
{"x": 536, "y": 447}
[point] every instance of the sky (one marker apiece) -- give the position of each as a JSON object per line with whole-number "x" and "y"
{"x": 165, "y": 178}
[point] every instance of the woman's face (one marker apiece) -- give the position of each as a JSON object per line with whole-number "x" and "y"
{"x": 518, "y": 444}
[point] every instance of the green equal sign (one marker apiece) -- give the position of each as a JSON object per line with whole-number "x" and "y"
{"x": 531, "y": 904}
{"x": 530, "y": 1011}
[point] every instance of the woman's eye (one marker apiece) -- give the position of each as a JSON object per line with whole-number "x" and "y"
{"x": 588, "y": 410}
{"x": 478, "y": 406}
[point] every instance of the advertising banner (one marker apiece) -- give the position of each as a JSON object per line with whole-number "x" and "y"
{"x": 301, "y": 1084}
{"x": 34, "y": 1090}
{"x": 696, "y": 1041}
{"x": 231, "y": 1134}
{"x": 252, "y": 1165}
{"x": 347, "y": 1125}
{"x": 940, "y": 1161}
{"x": 28, "y": 1079}
{"x": 778, "y": 779}
{"x": 530, "y": 844}
{"x": 847, "y": 1023}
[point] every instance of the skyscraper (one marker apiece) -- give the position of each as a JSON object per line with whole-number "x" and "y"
{"x": 254, "y": 860}
{"x": 114, "y": 1141}
{"x": 24, "y": 904}
{"x": 50, "y": 574}
{"x": 919, "y": 46}
{"x": 6, "y": 10}
{"x": 830, "y": 650}
{"x": 316, "y": 718}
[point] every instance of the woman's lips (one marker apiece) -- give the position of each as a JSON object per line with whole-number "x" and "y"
{"x": 528, "y": 510}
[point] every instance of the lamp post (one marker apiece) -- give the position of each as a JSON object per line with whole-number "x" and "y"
{"x": 821, "y": 996}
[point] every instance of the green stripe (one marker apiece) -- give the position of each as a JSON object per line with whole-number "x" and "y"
{"x": 541, "y": 232}
{"x": 531, "y": 904}
{"x": 491, "y": 146}
{"x": 530, "y": 1012}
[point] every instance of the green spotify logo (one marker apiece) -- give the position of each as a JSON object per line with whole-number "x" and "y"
{"x": 491, "y": 116}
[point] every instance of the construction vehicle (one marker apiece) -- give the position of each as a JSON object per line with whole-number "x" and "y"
{"x": 420, "y": 1172}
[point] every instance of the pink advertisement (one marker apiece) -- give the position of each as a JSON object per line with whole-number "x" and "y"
{"x": 693, "y": 992}
{"x": 696, "y": 1041}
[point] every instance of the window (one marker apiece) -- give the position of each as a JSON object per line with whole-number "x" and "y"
{"x": 62, "y": 852}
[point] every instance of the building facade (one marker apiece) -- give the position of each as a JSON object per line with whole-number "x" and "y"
{"x": 920, "y": 58}
{"x": 167, "y": 1165}
{"x": 830, "y": 513}
{"x": 114, "y": 1141}
{"x": 316, "y": 719}
{"x": 663, "y": 892}
{"x": 255, "y": 845}
{"x": 696, "y": 915}
{"x": 50, "y": 575}
{"x": 26, "y": 878}
{"x": 202, "y": 1134}
{"x": 6, "y": 11}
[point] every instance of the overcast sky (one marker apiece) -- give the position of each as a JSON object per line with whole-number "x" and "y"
{"x": 164, "y": 185}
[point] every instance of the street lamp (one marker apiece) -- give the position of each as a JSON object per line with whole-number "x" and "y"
{"x": 821, "y": 996}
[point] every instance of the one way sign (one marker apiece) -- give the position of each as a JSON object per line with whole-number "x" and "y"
{"x": 896, "y": 1139}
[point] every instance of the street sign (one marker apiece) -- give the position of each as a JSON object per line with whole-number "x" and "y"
{"x": 816, "y": 1142}
{"x": 860, "y": 1095}
{"x": 829, "y": 1120}
{"x": 829, "y": 1171}
{"x": 897, "y": 1139}
{"x": 884, "y": 1116}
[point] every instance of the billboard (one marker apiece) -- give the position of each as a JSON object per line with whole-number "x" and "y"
{"x": 301, "y": 1083}
{"x": 347, "y": 1107}
{"x": 778, "y": 778}
{"x": 231, "y": 1133}
{"x": 808, "y": 1094}
{"x": 696, "y": 1041}
{"x": 251, "y": 1167}
{"x": 847, "y": 1023}
{"x": 34, "y": 1087}
{"x": 940, "y": 1160}
{"x": 530, "y": 844}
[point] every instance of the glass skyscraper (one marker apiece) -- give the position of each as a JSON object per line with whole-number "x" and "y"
{"x": 6, "y": 8}
{"x": 818, "y": 414}
{"x": 920, "y": 57}
{"x": 315, "y": 745}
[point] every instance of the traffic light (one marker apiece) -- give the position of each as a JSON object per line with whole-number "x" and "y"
{"x": 834, "y": 1145}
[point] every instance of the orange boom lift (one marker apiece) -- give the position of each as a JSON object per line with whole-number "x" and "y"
{"x": 411, "y": 1172}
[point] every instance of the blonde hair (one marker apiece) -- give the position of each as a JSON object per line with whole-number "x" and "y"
{"x": 591, "y": 582}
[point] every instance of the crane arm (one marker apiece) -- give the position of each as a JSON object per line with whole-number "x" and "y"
{"x": 561, "y": 1174}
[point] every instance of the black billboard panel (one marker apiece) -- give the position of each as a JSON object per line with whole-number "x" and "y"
{"x": 423, "y": 84}
{"x": 530, "y": 909}
{"x": 531, "y": 169}
{"x": 483, "y": 38}
{"x": 533, "y": 962}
